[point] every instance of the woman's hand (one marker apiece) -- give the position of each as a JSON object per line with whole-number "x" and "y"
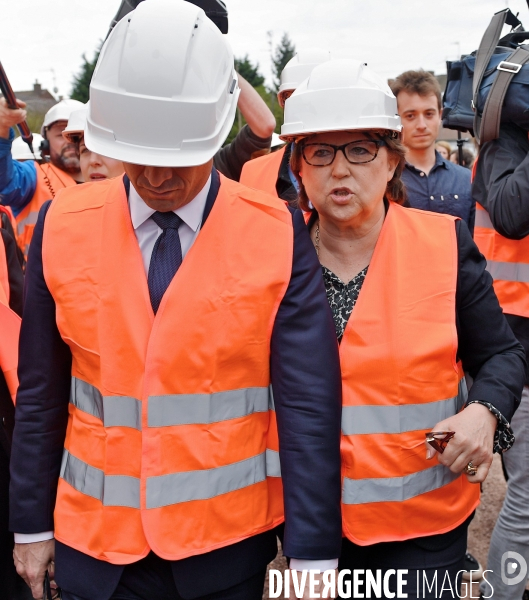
{"x": 473, "y": 441}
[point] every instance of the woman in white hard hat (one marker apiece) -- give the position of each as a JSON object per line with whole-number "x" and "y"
{"x": 94, "y": 167}
{"x": 413, "y": 309}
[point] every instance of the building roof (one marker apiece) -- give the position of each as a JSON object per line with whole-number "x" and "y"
{"x": 38, "y": 100}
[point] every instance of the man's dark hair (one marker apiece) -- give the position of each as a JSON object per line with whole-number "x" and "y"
{"x": 417, "y": 82}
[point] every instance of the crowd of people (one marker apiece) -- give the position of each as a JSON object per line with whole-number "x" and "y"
{"x": 206, "y": 348}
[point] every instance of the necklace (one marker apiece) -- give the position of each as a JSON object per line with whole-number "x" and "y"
{"x": 317, "y": 239}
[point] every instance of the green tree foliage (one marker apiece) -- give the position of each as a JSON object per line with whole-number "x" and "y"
{"x": 283, "y": 52}
{"x": 81, "y": 81}
{"x": 249, "y": 71}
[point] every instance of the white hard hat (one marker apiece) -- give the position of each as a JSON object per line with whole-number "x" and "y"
{"x": 300, "y": 67}
{"x": 340, "y": 95}
{"x": 276, "y": 140}
{"x": 20, "y": 150}
{"x": 60, "y": 112}
{"x": 164, "y": 91}
{"x": 76, "y": 124}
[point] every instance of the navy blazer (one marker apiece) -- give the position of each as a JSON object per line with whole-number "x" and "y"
{"x": 305, "y": 373}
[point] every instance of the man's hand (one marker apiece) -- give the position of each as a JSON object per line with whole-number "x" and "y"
{"x": 324, "y": 581}
{"x": 32, "y": 561}
{"x": 10, "y": 117}
{"x": 473, "y": 441}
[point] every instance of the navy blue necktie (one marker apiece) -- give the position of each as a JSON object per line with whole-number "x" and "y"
{"x": 166, "y": 256}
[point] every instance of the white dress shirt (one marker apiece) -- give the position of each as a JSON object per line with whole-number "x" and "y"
{"x": 147, "y": 232}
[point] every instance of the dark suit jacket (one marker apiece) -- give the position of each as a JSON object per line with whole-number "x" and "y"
{"x": 305, "y": 374}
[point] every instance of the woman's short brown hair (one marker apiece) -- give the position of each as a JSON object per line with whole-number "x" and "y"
{"x": 395, "y": 190}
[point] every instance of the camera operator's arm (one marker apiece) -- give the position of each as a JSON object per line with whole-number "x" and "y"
{"x": 254, "y": 109}
{"x": 501, "y": 183}
{"x": 252, "y": 138}
{"x": 18, "y": 180}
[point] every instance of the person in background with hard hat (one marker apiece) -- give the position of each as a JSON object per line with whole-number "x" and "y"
{"x": 432, "y": 182}
{"x": 157, "y": 316}
{"x": 11, "y": 283}
{"x": 272, "y": 173}
{"x": 94, "y": 167}
{"x": 413, "y": 308}
{"x": 25, "y": 186}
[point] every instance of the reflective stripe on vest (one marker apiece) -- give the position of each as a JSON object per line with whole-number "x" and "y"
{"x": 111, "y": 490}
{"x": 507, "y": 262}
{"x": 121, "y": 490}
{"x": 171, "y": 415}
{"x": 171, "y": 409}
{"x": 114, "y": 411}
{"x": 185, "y": 409}
{"x": 364, "y": 419}
{"x": 400, "y": 378}
{"x": 508, "y": 271}
{"x": 396, "y": 489}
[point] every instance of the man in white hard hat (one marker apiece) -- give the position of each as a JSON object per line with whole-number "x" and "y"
{"x": 26, "y": 186}
{"x": 272, "y": 173}
{"x": 160, "y": 308}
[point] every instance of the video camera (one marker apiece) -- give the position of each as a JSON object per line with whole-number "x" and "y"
{"x": 215, "y": 9}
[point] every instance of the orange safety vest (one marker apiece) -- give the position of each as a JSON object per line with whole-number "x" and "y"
{"x": 400, "y": 378}
{"x": 172, "y": 440}
{"x": 507, "y": 262}
{"x": 9, "y": 327}
{"x": 262, "y": 173}
{"x": 27, "y": 218}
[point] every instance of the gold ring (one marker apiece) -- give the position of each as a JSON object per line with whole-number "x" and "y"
{"x": 470, "y": 469}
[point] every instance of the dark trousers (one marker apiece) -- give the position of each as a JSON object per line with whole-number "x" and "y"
{"x": 432, "y": 562}
{"x": 152, "y": 577}
{"x": 12, "y": 587}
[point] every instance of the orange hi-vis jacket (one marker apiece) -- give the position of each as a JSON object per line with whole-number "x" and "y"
{"x": 400, "y": 378}
{"x": 507, "y": 262}
{"x": 172, "y": 441}
{"x": 9, "y": 328}
{"x": 27, "y": 218}
{"x": 262, "y": 173}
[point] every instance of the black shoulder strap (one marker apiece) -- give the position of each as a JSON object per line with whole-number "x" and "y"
{"x": 490, "y": 119}
{"x": 488, "y": 44}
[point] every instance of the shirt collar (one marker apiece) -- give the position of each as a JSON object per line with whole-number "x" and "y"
{"x": 191, "y": 213}
{"x": 439, "y": 162}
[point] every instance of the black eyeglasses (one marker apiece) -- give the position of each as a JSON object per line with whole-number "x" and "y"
{"x": 356, "y": 152}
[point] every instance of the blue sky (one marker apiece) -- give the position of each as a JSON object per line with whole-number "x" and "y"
{"x": 391, "y": 35}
